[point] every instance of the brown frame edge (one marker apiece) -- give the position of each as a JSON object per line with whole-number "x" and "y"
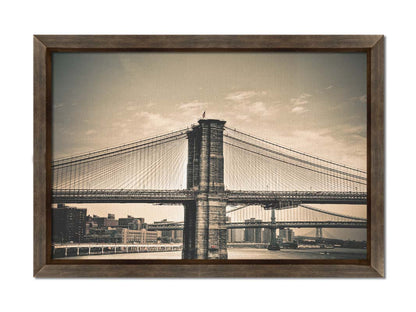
{"x": 44, "y": 45}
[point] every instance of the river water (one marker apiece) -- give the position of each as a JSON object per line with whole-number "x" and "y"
{"x": 247, "y": 253}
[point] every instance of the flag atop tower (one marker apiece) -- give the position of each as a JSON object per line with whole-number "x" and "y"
{"x": 203, "y": 115}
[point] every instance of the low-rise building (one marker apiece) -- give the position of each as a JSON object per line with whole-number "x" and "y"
{"x": 169, "y": 236}
{"x": 131, "y": 223}
{"x": 102, "y": 235}
{"x": 142, "y": 236}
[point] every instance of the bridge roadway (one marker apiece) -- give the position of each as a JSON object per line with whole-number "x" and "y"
{"x": 115, "y": 245}
{"x": 285, "y": 224}
{"x": 104, "y": 248}
{"x": 184, "y": 196}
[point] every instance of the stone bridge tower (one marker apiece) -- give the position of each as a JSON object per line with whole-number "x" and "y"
{"x": 205, "y": 233}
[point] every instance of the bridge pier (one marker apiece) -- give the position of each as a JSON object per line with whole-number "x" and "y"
{"x": 318, "y": 233}
{"x": 210, "y": 228}
{"x": 205, "y": 233}
{"x": 188, "y": 251}
{"x": 273, "y": 241}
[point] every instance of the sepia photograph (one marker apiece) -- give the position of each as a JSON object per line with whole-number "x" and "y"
{"x": 209, "y": 155}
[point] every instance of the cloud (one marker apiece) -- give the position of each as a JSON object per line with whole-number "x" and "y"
{"x": 192, "y": 105}
{"x": 301, "y": 99}
{"x": 90, "y": 132}
{"x": 329, "y": 87}
{"x": 243, "y": 95}
{"x": 299, "y": 110}
{"x": 244, "y": 104}
{"x": 257, "y": 108}
{"x": 326, "y": 144}
{"x": 59, "y": 105}
{"x": 148, "y": 120}
{"x": 250, "y": 109}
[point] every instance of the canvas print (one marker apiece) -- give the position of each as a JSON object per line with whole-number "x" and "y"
{"x": 209, "y": 155}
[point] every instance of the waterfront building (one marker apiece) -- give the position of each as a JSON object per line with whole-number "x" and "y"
{"x": 169, "y": 236}
{"x": 68, "y": 224}
{"x": 235, "y": 235}
{"x": 286, "y": 235}
{"x": 98, "y": 220}
{"x": 103, "y": 235}
{"x": 110, "y": 221}
{"x": 142, "y": 236}
{"x": 103, "y": 222}
{"x": 252, "y": 235}
{"x": 131, "y": 223}
{"x": 121, "y": 235}
{"x": 266, "y": 236}
{"x": 177, "y": 236}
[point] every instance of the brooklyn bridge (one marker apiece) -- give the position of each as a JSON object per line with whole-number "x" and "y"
{"x": 223, "y": 177}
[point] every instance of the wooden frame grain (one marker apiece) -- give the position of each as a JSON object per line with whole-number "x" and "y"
{"x": 45, "y": 266}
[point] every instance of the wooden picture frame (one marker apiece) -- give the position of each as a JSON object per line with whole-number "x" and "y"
{"x": 45, "y": 266}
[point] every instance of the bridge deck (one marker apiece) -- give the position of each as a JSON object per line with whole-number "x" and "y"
{"x": 183, "y": 196}
{"x": 285, "y": 224}
{"x": 123, "y": 196}
{"x": 306, "y": 197}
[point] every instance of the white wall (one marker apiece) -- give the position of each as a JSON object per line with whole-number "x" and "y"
{"x": 19, "y": 20}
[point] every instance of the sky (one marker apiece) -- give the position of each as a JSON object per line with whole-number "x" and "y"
{"x": 313, "y": 102}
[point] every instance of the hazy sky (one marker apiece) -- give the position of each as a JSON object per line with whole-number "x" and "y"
{"x": 314, "y": 102}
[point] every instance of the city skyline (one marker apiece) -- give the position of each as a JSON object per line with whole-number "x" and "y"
{"x": 144, "y": 211}
{"x": 261, "y": 235}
